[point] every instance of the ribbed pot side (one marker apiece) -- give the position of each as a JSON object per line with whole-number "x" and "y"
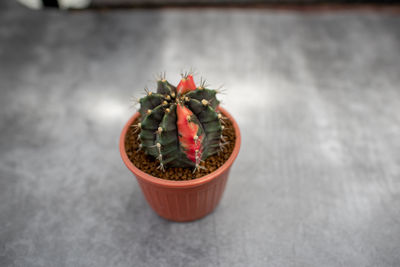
{"x": 183, "y": 200}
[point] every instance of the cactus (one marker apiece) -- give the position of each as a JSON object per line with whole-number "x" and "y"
{"x": 180, "y": 126}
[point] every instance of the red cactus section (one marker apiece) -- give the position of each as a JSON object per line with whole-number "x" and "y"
{"x": 185, "y": 85}
{"x": 188, "y": 130}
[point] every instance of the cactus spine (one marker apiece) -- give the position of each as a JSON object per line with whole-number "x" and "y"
{"x": 180, "y": 126}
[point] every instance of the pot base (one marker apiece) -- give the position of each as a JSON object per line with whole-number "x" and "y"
{"x": 184, "y": 205}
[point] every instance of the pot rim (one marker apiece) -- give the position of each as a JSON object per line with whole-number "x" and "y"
{"x": 179, "y": 184}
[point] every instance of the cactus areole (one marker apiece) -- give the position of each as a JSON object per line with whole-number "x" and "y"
{"x": 180, "y": 126}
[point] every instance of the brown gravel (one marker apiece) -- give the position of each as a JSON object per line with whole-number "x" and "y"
{"x": 149, "y": 165}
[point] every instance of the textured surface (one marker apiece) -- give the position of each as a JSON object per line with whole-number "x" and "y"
{"x": 317, "y": 182}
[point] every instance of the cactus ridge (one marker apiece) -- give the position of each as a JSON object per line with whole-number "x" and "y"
{"x": 180, "y": 126}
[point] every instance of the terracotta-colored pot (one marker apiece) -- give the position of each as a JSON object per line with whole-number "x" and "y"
{"x": 182, "y": 200}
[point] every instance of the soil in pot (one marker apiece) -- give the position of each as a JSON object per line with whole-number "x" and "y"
{"x": 149, "y": 165}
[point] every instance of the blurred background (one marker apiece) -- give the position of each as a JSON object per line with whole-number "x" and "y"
{"x": 201, "y": 3}
{"x": 313, "y": 85}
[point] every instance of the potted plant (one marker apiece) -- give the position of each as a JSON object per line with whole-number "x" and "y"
{"x": 180, "y": 145}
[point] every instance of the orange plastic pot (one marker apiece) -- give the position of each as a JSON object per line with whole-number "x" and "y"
{"x": 182, "y": 200}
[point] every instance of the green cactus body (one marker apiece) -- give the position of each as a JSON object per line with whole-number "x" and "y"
{"x": 180, "y": 126}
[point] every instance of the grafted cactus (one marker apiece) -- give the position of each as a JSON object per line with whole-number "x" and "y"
{"x": 180, "y": 126}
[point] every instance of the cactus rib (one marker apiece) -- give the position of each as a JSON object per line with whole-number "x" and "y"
{"x": 180, "y": 126}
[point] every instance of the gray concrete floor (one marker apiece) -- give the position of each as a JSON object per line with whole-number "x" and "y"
{"x": 317, "y": 97}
